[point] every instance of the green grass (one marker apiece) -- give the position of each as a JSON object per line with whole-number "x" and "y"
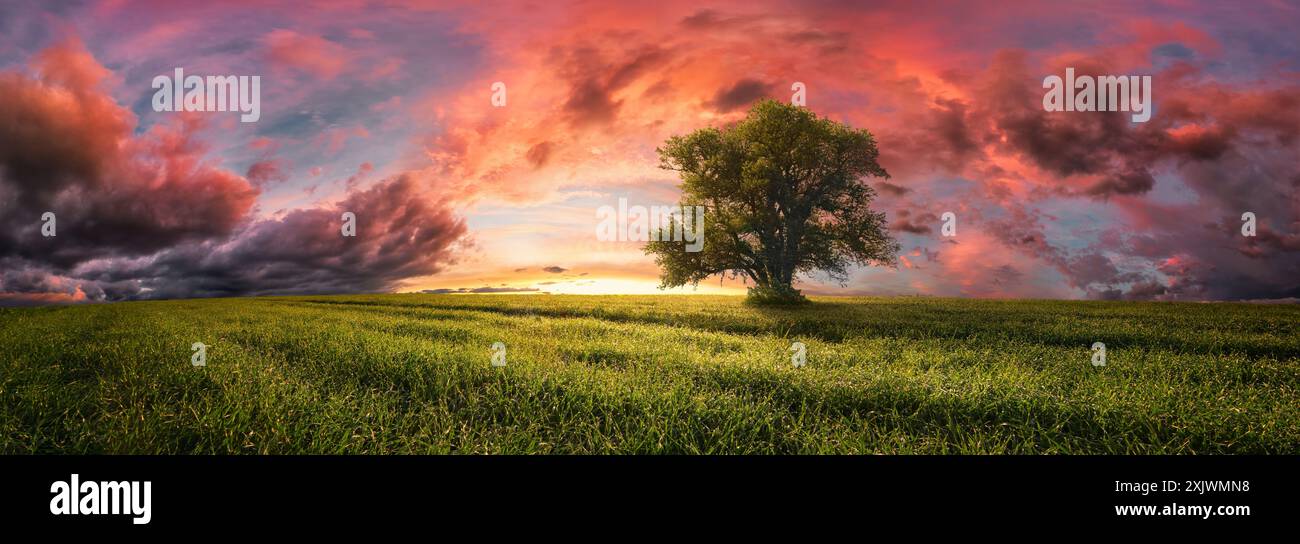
{"x": 646, "y": 374}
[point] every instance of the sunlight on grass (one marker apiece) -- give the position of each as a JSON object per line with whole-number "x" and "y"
{"x": 648, "y": 374}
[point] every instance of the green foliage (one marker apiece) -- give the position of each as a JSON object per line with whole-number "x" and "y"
{"x": 648, "y": 374}
{"x": 784, "y": 196}
{"x": 768, "y": 295}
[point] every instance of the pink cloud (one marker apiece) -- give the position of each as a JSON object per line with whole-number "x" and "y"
{"x": 305, "y": 53}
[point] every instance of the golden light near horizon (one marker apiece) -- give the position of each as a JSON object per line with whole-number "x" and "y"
{"x": 588, "y": 286}
{"x": 628, "y": 286}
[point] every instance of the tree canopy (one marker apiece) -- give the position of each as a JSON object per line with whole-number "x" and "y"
{"x": 784, "y": 195}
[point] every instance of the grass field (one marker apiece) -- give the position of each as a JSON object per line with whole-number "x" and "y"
{"x": 647, "y": 374}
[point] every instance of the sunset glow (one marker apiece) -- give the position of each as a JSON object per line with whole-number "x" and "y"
{"x": 389, "y": 113}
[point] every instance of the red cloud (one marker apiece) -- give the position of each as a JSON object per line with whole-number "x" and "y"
{"x": 149, "y": 216}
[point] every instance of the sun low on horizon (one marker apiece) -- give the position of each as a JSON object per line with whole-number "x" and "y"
{"x": 585, "y": 286}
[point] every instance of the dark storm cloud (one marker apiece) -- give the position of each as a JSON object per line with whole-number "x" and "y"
{"x": 919, "y": 223}
{"x": 740, "y": 95}
{"x": 401, "y": 233}
{"x": 1226, "y": 149}
{"x": 890, "y": 188}
{"x": 146, "y": 217}
{"x": 66, "y": 148}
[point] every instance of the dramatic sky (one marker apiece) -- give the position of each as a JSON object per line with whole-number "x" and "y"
{"x": 384, "y": 109}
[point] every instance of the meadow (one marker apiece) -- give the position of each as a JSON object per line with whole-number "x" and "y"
{"x": 406, "y": 373}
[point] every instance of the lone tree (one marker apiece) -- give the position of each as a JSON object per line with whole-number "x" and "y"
{"x": 783, "y": 194}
